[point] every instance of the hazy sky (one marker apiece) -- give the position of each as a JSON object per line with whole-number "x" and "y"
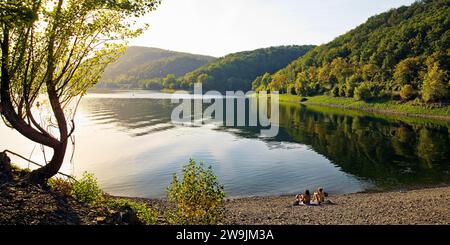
{"x": 219, "y": 27}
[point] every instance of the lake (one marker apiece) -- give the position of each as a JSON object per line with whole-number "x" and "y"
{"x": 127, "y": 139}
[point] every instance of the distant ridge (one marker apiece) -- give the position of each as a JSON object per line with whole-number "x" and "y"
{"x": 237, "y": 71}
{"x": 139, "y": 65}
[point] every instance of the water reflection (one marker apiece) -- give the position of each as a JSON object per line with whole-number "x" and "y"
{"x": 386, "y": 151}
{"x": 381, "y": 150}
{"x": 137, "y": 116}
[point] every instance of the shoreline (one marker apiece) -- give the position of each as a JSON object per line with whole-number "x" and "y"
{"x": 381, "y": 111}
{"x": 421, "y": 205}
{"x": 388, "y": 107}
{"x": 318, "y": 101}
{"x": 426, "y": 205}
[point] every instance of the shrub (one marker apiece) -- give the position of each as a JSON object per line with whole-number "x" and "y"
{"x": 86, "y": 190}
{"x": 144, "y": 214}
{"x": 61, "y": 185}
{"x": 435, "y": 87}
{"x": 17, "y": 168}
{"x": 198, "y": 198}
{"x": 363, "y": 92}
{"x": 350, "y": 85}
{"x": 334, "y": 91}
{"x": 407, "y": 92}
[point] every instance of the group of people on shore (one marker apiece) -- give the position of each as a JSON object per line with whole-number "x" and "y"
{"x": 305, "y": 198}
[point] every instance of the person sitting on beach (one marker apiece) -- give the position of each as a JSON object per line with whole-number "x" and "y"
{"x": 319, "y": 196}
{"x": 303, "y": 198}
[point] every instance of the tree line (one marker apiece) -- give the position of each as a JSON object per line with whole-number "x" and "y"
{"x": 237, "y": 71}
{"x": 403, "y": 53}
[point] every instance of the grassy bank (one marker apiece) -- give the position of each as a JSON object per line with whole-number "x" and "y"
{"x": 172, "y": 91}
{"x": 385, "y": 106}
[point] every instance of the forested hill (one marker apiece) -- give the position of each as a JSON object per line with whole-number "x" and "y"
{"x": 139, "y": 67}
{"x": 237, "y": 71}
{"x": 401, "y": 53}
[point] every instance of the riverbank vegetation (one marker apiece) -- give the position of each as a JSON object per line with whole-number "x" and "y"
{"x": 51, "y": 206}
{"x": 194, "y": 198}
{"x": 376, "y": 105}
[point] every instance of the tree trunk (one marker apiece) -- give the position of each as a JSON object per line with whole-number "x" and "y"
{"x": 41, "y": 175}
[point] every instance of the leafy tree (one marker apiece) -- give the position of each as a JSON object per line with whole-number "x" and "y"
{"x": 169, "y": 81}
{"x": 153, "y": 84}
{"x": 407, "y": 72}
{"x": 407, "y": 92}
{"x": 261, "y": 82}
{"x": 435, "y": 86}
{"x": 363, "y": 91}
{"x": 369, "y": 72}
{"x": 205, "y": 79}
{"x": 278, "y": 83}
{"x": 56, "y": 50}
{"x": 350, "y": 85}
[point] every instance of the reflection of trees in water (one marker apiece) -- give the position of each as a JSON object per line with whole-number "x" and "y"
{"x": 138, "y": 116}
{"x": 386, "y": 152}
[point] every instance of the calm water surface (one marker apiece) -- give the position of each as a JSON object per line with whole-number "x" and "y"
{"x": 127, "y": 139}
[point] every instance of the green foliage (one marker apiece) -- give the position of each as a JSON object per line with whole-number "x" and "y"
{"x": 145, "y": 214}
{"x": 407, "y": 72}
{"x": 55, "y": 51}
{"x": 381, "y": 154}
{"x": 377, "y": 104}
{"x": 86, "y": 189}
{"x": 16, "y": 12}
{"x": 169, "y": 81}
{"x": 81, "y": 49}
{"x": 142, "y": 67}
{"x": 261, "y": 82}
{"x": 350, "y": 85}
{"x": 63, "y": 186}
{"x": 435, "y": 87}
{"x": 198, "y": 196}
{"x": 363, "y": 92}
{"x": 16, "y": 168}
{"x": 237, "y": 71}
{"x": 388, "y": 50}
{"x": 407, "y": 92}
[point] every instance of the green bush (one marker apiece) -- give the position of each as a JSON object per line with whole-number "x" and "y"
{"x": 363, "y": 92}
{"x": 334, "y": 91}
{"x": 435, "y": 86}
{"x": 145, "y": 214}
{"x": 198, "y": 198}
{"x": 63, "y": 186}
{"x": 407, "y": 92}
{"x": 350, "y": 85}
{"x": 86, "y": 189}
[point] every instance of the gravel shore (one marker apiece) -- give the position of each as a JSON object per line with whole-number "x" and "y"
{"x": 425, "y": 206}
{"x": 24, "y": 204}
